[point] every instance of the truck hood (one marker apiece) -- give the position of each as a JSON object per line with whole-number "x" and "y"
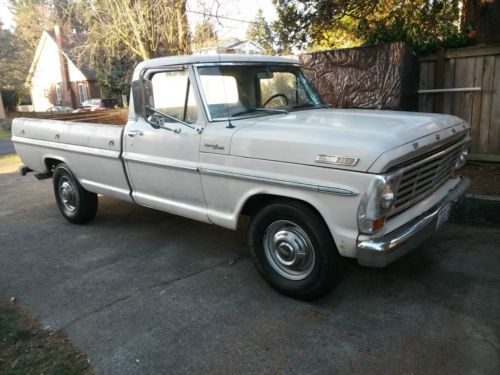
{"x": 299, "y": 137}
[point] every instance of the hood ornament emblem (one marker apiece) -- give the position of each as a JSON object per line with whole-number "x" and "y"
{"x": 337, "y": 160}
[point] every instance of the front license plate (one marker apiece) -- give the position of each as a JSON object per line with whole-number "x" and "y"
{"x": 443, "y": 215}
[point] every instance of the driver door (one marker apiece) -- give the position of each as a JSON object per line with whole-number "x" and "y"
{"x": 162, "y": 165}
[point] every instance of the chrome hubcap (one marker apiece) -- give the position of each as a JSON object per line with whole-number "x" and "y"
{"x": 289, "y": 250}
{"x": 67, "y": 194}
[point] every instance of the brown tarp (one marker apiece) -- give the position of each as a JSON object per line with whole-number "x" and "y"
{"x": 383, "y": 76}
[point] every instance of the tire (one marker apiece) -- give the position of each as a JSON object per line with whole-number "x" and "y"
{"x": 294, "y": 251}
{"x": 75, "y": 203}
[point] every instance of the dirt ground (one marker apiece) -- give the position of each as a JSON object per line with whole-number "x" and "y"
{"x": 485, "y": 178}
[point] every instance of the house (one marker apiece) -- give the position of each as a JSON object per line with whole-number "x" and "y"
{"x": 55, "y": 79}
{"x": 230, "y": 46}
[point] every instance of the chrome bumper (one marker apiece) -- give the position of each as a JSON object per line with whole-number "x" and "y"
{"x": 379, "y": 252}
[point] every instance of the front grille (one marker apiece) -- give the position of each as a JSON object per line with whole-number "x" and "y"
{"x": 424, "y": 177}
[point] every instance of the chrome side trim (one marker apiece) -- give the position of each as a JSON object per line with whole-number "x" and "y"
{"x": 101, "y": 187}
{"x": 67, "y": 147}
{"x": 157, "y": 162}
{"x": 285, "y": 183}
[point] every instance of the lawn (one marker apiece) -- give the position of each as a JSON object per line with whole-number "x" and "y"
{"x": 4, "y": 134}
{"x": 26, "y": 348}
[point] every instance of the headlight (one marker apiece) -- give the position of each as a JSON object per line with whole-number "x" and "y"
{"x": 377, "y": 202}
{"x": 462, "y": 158}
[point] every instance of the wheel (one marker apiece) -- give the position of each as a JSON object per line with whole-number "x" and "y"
{"x": 75, "y": 203}
{"x": 294, "y": 251}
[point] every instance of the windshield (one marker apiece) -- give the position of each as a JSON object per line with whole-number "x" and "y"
{"x": 240, "y": 91}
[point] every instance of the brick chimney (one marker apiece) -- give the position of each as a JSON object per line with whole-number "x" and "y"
{"x": 66, "y": 96}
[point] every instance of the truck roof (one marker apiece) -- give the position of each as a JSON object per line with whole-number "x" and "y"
{"x": 200, "y": 59}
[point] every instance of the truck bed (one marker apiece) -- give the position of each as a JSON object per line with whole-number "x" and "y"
{"x": 91, "y": 150}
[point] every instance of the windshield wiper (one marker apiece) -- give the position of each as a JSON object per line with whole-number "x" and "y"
{"x": 275, "y": 110}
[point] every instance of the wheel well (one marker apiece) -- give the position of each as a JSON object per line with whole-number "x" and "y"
{"x": 51, "y": 163}
{"x": 256, "y": 202}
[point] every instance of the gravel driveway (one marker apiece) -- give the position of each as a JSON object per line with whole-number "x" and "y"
{"x": 142, "y": 291}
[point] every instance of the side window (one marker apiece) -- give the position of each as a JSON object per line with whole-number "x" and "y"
{"x": 173, "y": 95}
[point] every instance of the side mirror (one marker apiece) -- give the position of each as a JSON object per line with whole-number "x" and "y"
{"x": 142, "y": 92}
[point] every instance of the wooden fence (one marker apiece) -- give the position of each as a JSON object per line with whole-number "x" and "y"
{"x": 476, "y": 70}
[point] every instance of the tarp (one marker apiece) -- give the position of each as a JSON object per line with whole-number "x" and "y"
{"x": 383, "y": 76}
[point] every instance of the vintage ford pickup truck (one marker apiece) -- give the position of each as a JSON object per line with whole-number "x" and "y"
{"x": 213, "y": 138}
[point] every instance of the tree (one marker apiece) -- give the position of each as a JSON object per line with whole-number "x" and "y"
{"x": 481, "y": 19}
{"x": 13, "y": 69}
{"x": 204, "y": 34}
{"x": 424, "y": 25}
{"x": 119, "y": 33}
{"x": 261, "y": 33}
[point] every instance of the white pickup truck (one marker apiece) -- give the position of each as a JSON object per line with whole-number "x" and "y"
{"x": 213, "y": 138}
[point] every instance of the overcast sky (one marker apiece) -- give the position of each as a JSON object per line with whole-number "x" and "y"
{"x": 239, "y": 9}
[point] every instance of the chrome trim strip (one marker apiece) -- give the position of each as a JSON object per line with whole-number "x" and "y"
{"x": 285, "y": 183}
{"x": 157, "y": 162}
{"x": 104, "y": 187}
{"x": 68, "y": 147}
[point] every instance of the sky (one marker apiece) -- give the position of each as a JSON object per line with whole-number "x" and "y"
{"x": 5, "y": 15}
{"x": 239, "y": 9}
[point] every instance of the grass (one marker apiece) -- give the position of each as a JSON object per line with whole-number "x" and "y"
{"x": 26, "y": 348}
{"x": 4, "y": 134}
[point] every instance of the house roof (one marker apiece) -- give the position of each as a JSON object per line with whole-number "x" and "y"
{"x": 70, "y": 43}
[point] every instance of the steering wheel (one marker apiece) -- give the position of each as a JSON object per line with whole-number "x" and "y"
{"x": 274, "y": 97}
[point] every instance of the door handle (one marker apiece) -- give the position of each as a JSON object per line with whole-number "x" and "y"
{"x": 134, "y": 132}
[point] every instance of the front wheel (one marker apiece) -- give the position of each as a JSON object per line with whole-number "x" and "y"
{"x": 294, "y": 251}
{"x": 76, "y": 204}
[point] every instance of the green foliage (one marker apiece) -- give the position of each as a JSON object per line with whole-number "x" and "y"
{"x": 261, "y": 33}
{"x": 322, "y": 24}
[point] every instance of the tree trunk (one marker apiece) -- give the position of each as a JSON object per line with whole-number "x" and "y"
{"x": 482, "y": 18}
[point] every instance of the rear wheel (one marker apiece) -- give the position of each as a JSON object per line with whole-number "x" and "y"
{"x": 74, "y": 202}
{"x": 294, "y": 251}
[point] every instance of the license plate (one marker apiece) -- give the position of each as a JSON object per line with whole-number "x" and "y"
{"x": 443, "y": 215}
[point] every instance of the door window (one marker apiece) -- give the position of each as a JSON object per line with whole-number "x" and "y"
{"x": 173, "y": 95}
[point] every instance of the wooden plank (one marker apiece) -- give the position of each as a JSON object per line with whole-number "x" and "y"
{"x": 459, "y": 99}
{"x": 422, "y": 99}
{"x": 494, "y": 134}
{"x": 449, "y": 82}
{"x": 476, "y": 103}
{"x": 439, "y": 82}
{"x": 493, "y": 49}
{"x": 486, "y": 101}
{"x": 484, "y": 157}
{"x": 431, "y": 73}
{"x": 468, "y": 82}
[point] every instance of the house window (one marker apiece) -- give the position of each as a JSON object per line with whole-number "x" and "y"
{"x": 58, "y": 93}
{"x": 83, "y": 92}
